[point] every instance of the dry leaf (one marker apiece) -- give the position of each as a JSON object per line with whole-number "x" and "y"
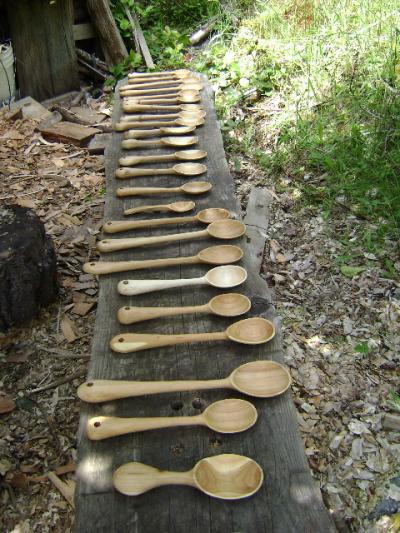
{"x": 26, "y": 202}
{"x": 6, "y": 404}
{"x": 65, "y": 469}
{"x": 67, "y": 329}
{"x": 82, "y": 308}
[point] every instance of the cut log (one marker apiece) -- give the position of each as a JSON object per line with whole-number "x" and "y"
{"x": 113, "y": 46}
{"x": 28, "y": 266}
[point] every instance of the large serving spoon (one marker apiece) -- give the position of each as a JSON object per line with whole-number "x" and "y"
{"x": 221, "y": 277}
{"x": 164, "y": 141}
{"x": 145, "y": 118}
{"x": 225, "y": 416}
{"x": 180, "y": 169}
{"x": 191, "y": 187}
{"x": 252, "y": 331}
{"x": 180, "y": 73}
{"x": 183, "y": 155}
{"x": 206, "y": 216}
{"x": 221, "y": 229}
{"x": 174, "y": 207}
{"x": 133, "y": 108}
{"x": 227, "y": 477}
{"x": 186, "y": 127}
{"x": 260, "y": 379}
{"x": 227, "y": 305}
{"x": 213, "y": 255}
{"x": 185, "y": 122}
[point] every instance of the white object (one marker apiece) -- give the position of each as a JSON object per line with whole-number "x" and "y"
{"x": 7, "y": 78}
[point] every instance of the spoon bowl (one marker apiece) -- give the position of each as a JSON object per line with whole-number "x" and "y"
{"x": 226, "y": 229}
{"x": 181, "y": 207}
{"x": 226, "y": 276}
{"x": 196, "y": 187}
{"x": 254, "y": 330}
{"x": 221, "y": 254}
{"x": 212, "y": 214}
{"x": 230, "y": 416}
{"x": 229, "y": 305}
{"x": 261, "y": 379}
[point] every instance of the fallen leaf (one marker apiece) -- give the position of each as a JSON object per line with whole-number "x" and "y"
{"x": 82, "y": 308}
{"x": 351, "y": 272}
{"x": 65, "y": 469}
{"x": 26, "y": 202}
{"x": 19, "y": 480}
{"x": 6, "y": 404}
{"x": 67, "y": 329}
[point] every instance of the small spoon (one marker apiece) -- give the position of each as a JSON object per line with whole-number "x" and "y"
{"x": 156, "y": 132}
{"x": 187, "y": 97}
{"x": 180, "y": 169}
{"x": 164, "y": 141}
{"x": 133, "y": 108}
{"x": 252, "y": 331}
{"x": 185, "y": 122}
{"x": 260, "y": 379}
{"x": 227, "y": 477}
{"x": 183, "y": 155}
{"x": 182, "y": 114}
{"x": 206, "y": 216}
{"x": 191, "y": 187}
{"x": 228, "y": 305}
{"x": 221, "y": 229}
{"x": 174, "y": 207}
{"x": 213, "y": 255}
{"x": 225, "y": 416}
{"x": 221, "y": 277}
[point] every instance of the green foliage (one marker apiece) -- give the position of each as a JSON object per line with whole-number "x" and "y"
{"x": 394, "y": 401}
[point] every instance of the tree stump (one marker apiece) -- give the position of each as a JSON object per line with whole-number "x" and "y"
{"x": 28, "y": 266}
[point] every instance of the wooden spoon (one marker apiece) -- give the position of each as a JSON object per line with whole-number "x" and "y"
{"x": 227, "y": 477}
{"x": 230, "y": 304}
{"x": 186, "y": 97}
{"x": 221, "y": 229}
{"x": 164, "y": 141}
{"x": 186, "y": 127}
{"x": 182, "y": 155}
{"x": 182, "y": 114}
{"x": 225, "y": 416}
{"x": 191, "y": 187}
{"x": 221, "y": 277}
{"x": 162, "y": 83}
{"x": 206, "y": 216}
{"x": 180, "y": 169}
{"x": 133, "y": 108}
{"x": 252, "y": 331}
{"x": 175, "y": 207}
{"x": 141, "y": 90}
{"x": 260, "y": 379}
{"x": 187, "y": 92}
{"x": 185, "y": 122}
{"x": 180, "y": 73}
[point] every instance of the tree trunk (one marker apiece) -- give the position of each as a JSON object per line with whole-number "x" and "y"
{"x": 113, "y": 46}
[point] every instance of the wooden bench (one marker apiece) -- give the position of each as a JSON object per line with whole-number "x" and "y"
{"x": 289, "y": 500}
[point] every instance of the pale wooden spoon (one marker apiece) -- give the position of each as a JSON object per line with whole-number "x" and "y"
{"x": 186, "y": 122}
{"x": 133, "y": 108}
{"x": 206, "y": 216}
{"x": 228, "y": 305}
{"x": 174, "y": 93}
{"x": 252, "y": 331}
{"x": 184, "y": 97}
{"x": 260, "y": 379}
{"x": 174, "y": 207}
{"x": 145, "y": 118}
{"x": 142, "y": 91}
{"x": 185, "y": 127}
{"x": 162, "y": 83}
{"x": 221, "y": 277}
{"x": 213, "y": 255}
{"x": 182, "y": 155}
{"x": 221, "y": 229}
{"x": 225, "y": 416}
{"x": 180, "y": 169}
{"x": 180, "y": 73}
{"x": 227, "y": 477}
{"x": 191, "y": 187}
{"x": 164, "y": 141}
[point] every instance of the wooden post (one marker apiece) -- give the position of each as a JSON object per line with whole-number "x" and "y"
{"x": 43, "y": 43}
{"x": 111, "y": 41}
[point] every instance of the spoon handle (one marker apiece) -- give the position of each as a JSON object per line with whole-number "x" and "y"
{"x": 141, "y": 286}
{"x": 128, "y": 172}
{"x": 137, "y": 143}
{"x": 113, "y": 245}
{"x": 136, "y": 160}
{"x": 124, "y": 225}
{"x": 139, "y": 191}
{"x": 104, "y": 390}
{"x": 147, "y": 208}
{"x": 136, "y": 342}
{"x": 103, "y": 427}
{"x": 132, "y": 315}
{"x": 108, "y": 267}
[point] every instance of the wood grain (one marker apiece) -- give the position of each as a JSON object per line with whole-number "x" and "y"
{"x": 289, "y": 500}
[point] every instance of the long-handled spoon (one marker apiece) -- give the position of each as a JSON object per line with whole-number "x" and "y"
{"x": 180, "y": 169}
{"x": 227, "y": 477}
{"x": 187, "y": 97}
{"x": 221, "y": 277}
{"x": 162, "y": 83}
{"x": 221, "y": 229}
{"x": 252, "y": 331}
{"x": 164, "y": 141}
{"x": 182, "y": 114}
{"x": 183, "y": 155}
{"x": 174, "y": 93}
{"x": 156, "y": 132}
{"x": 180, "y": 73}
{"x": 206, "y": 216}
{"x": 143, "y": 90}
{"x": 185, "y": 122}
{"x": 260, "y": 379}
{"x": 133, "y": 108}
{"x": 225, "y": 416}
{"x": 192, "y": 187}
{"x": 213, "y": 255}
{"x": 174, "y": 207}
{"x": 228, "y": 305}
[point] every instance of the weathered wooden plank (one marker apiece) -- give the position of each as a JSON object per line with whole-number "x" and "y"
{"x": 70, "y": 132}
{"x": 289, "y": 501}
{"x": 43, "y": 42}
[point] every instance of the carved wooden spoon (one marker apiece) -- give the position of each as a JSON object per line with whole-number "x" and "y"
{"x": 186, "y": 122}
{"x": 182, "y": 155}
{"x": 164, "y": 141}
{"x": 180, "y": 169}
{"x": 175, "y": 207}
{"x": 225, "y": 416}
{"x": 191, "y": 187}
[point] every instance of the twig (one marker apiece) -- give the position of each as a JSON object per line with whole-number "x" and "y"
{"x": 23, "y": 194}
{"x": 138, "y": 34}
{"x": 64, "y": 354}
{"x": 61, "y": 381}
{"x": 67, "y": 488}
